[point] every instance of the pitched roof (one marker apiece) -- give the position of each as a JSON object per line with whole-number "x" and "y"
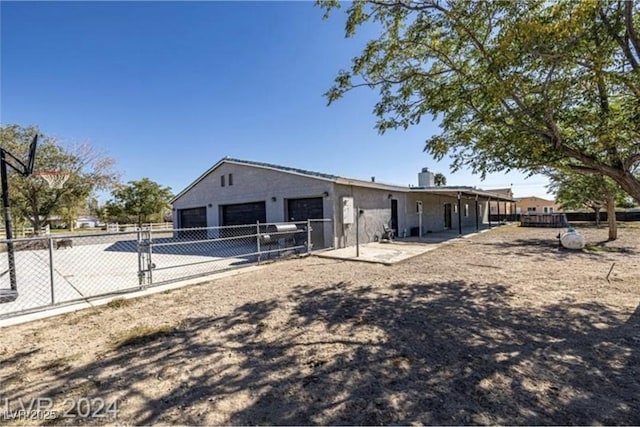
{"x": 317, "y": 175}
{"x": 336, "y": 179}
{"x": 282, "y": 168}
{"x": 518, "y": 199}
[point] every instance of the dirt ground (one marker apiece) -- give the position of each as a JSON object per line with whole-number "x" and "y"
{"x": 501, "y": 328}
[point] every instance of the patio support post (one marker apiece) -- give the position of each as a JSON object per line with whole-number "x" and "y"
{"x": 357, "y": 232}
{"x": 489, "y": 211}
{"x": 498, "y": 203}
{"x": 460, "y": 213}
{"x": 477, "y": 215}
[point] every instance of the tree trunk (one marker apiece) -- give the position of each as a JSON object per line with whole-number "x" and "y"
{"x": 597, "y": 211}
{"x": 37, "y": 224}
{"x": 611, "y": 219}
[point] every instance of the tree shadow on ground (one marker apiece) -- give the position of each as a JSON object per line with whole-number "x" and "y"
{"x": 535, "y": 247}
{"x": 440, "y": 353}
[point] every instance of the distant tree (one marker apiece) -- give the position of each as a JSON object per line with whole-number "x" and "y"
{"x": 114, "y": 212}
{"x": 517, "y": 84}
{"x": 439, "y": 180}
{"x": 574, "y": 191}
{"x": 31, "y": 198}
{"x": 141, "y": 200}
{"x": 69, "y": 215}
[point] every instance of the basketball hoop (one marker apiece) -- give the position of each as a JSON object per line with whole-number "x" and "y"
{"x": 55, "y": 179}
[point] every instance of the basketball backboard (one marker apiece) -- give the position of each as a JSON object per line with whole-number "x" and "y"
{"x": 31, "y": 159}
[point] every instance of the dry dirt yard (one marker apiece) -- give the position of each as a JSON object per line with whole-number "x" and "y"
{"x": 501, "y": 328}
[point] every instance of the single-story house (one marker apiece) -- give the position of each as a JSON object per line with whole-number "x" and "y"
{"x": 88, "y": 222}
{"x": 236, "y": 192}
{"x": 536, "y": 205}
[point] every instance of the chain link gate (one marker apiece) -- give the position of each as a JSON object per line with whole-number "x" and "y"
{"x": 145, "y": 264}
{"x": 72, "y": 268}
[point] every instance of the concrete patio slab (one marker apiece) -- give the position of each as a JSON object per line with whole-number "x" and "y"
{"x": 398, "y": 250}
{"x": 381, "y": 253}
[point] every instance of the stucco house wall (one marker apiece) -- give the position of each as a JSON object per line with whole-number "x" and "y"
{"x": 375, "y": 204}
{"x": 251, "y": 184}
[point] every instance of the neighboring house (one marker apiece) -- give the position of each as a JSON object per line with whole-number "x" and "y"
{"x": 56, "y": 221}
{"x": 88, "y": 222}
{"x": 501, "y": 208}
{"x": 536, "y": 205}
{"x": 235, "y": 192}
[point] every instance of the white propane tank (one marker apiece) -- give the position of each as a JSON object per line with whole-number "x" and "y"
{"x": 572, "y": 239}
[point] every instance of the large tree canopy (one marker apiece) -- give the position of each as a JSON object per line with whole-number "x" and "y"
{"x": 141, "y": 200}
{"x": 518, "y": 84}
{"x": 31, "y": 198}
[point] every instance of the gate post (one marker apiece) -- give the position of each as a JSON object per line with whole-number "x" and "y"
{"x": 309, "y": 244}
{"x": 51, "y": 270}
{"x": 140, "y": 260}
{"x": 150, "y": 265}
{"x": 258, "y": 240}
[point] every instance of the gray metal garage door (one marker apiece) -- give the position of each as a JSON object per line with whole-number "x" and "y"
{"x": 304, "y": 209}
{"x": 194, "y": 217}
{"x": 309, "y": 208}
{"x": 244, "y": 213}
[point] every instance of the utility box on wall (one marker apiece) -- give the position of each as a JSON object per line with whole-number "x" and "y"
{"x": 348, "y": 210}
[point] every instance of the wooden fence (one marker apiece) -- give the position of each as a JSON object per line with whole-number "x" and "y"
{"x": 20, "y": 232}
{"x": 152, "y": 226}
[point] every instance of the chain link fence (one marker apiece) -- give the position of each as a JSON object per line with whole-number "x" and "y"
{"x": 57, "y": 270}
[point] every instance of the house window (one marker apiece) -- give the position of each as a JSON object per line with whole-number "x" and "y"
{"x": 466, "y": 209}
{"x": 222, "y": 181}
{"x": 230, "y": 179}
{"x": 531, "y": 209}
{"x": 547, "y": 209}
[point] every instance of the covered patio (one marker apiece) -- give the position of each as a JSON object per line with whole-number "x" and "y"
{"x": 469, "y": 202}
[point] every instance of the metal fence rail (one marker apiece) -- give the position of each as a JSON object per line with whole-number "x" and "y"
{"x": 58, "y": 270}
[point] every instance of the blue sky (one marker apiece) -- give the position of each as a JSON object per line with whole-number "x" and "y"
{"x": 169, "y": 88}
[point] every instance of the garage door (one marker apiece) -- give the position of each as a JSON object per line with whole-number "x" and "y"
{"x": 194, "y": 217}
{"x": 309, "y": 208}
{"x": 304, "y": 209}
{"x": 244, "y": 213}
